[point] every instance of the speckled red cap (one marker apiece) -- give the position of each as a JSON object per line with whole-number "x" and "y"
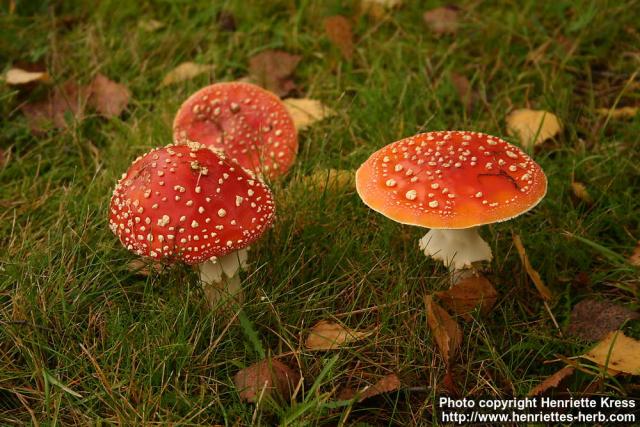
{"x": 187, "y": 203}
{"x": 250, "y": 124}
{"x": 450, "y": 180}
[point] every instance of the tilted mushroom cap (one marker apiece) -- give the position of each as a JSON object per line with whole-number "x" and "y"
{"x": 450, "y": 179}
{"x": 187, "y": 203}
{"x": 250, "y": 124}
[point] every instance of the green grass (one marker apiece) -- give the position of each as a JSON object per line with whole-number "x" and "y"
{"x": 83, "y": 339}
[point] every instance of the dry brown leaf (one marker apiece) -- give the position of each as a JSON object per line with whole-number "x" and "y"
{"x": 618, "y": 113}
{"x": 68, "y": 99}
{"x": 333, "y": 179}
{"x": 386, "y": 384}
{"x": 151, "y": 25}
{"x": 144, "y": 267}
{"x": 533, "y": 274}
{"x": 445, "y": 330}
{"x": 338, "y": 29}
{"x": 552, "y": 381}
{"x": 463, "y": 88}
{"x": 18, "y": 76}
{"x": 442, "y": 20}
{"x": 378, "y": 9}
{"x": 185, "y": 71}
{"x": 108, "y": 97}
{"x": 469, "y": 293}
{"x": 618, "y": 352}
{"x": 634, "y": 258}
{"x": 272, "y": 69}
{"x": 580, "y": 191}
{"x": 327, "y": 335}
{"x": 532, "y": 127}
{"x": 267, "y": 378}
{"x": 593, "y": 319}
{"x": 306, "y": 112}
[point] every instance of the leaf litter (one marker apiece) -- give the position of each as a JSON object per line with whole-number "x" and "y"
{"x": 328, "y": 335}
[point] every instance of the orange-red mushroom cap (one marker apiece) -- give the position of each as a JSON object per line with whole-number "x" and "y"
{"x": 450, "y": 180}
{"x": 250, "y": 124}
{"x": 187, "y": 203}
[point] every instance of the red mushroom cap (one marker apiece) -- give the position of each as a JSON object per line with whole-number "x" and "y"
{"x": 452, "y": 179}
{"x": 187, "y": 203}
{"x": 250, "y": 124}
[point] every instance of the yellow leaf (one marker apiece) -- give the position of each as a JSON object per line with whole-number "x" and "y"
{"x": 185, "y": 71}
{"x": 378, "y": 8}
{"x": 617, "y": 351}
{"x": 532, "y": 127}
{"x": 445, "y": 330}
{"x": 306, "y": 111}
{"x": 18, "y": 76}
{"x": 580, "y": 191}
{"x": 533, "y": 274}
{"x": 326, "y": 335}
{"x": 618, "y": 113}
{"x": 150, "y": 25}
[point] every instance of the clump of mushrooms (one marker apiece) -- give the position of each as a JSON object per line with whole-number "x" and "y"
{"x": 249, "y": 124}
{"x": 188, "y": 203}
{"x": 451, "y": 182}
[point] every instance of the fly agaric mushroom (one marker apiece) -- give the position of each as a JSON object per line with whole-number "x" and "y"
{"x": 451, "y": 182}
{"x": 188, "y": 203}
{"x": 250, "y": 124}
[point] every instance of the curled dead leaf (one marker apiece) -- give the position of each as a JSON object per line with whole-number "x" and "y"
{"x": 445, "y": 330}
{"x": 272, "y": 69}
{"x": 267, "y": 378}
{"x": 594, "y": 319}
{"x": 469, "y": 293}
{"x": 618, "y": 113}
{"x": 386, "y": 384}
{"x": 544, "y": 292}
{"x": 580, "y": 192}
{"x": 442, "y": 20}
{"x": 327, "y": 335}
{"x": 306, "y": 112}
{"x": 618, "y": 352}
{"x": 552, "y": 381}
{"x": 108, "y": 97}
{"x": 18, "y": 76}
{"x": 185, "y": 71}
{"x": 532, "y": 127}
{"x": 338, "y": 29}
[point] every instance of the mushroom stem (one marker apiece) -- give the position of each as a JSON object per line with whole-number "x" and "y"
{"x": 221, "y": 277}
{"x": 457, "y": 249}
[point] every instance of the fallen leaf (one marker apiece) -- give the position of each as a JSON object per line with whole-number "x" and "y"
{"x": 634, "y": 258}
{"x": 334, "y": 179}
{"x": 593, "y": 319}
{"x": 442, "y": 20}
{"x": 144, "y": 267}
{"x": 378, "y": 9}
{"x": 108, "y": 97}
{"x": 272, "y": 69}
{"x": 532, "y": 127}
{"x": 386, "y": 384}
{"x": 463, "y": 88}
{"x": 306, "y": 112}
{"x": 552, "y": 381}
{"x": 449, "y": 384}
{"x": 185, "y": 71}
{"x": 618, "y": 352}
{"x": 338, "y": 29}
{"x": 445, "y": 330}
{"x": 327, "y": 335}
{"x": 618, "y": 113}
{"x": 533, "y": 274}
{"x": 267, "y": 378}
{"x": 151, "y": 25}
{"x": 580, "y": 192}
{"x": 18, "y": 76}
{"x": 468, "y": 294}
{"x": 226, "y": 21}
{"x": 68, "y": 99}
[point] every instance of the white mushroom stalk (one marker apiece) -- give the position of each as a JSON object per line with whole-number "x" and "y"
{"x": 457, "y": 249}
{"x": 220, "y": 277}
